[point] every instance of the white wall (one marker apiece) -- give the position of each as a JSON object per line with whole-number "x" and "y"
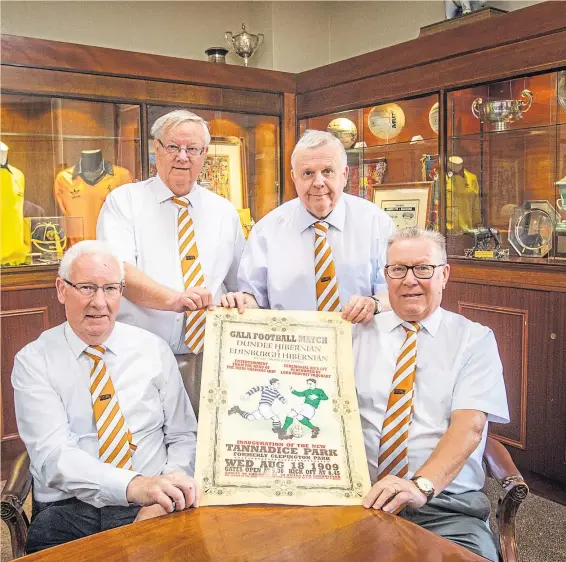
{"x": 298, "y": 35}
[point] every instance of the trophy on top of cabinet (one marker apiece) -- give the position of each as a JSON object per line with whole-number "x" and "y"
{"x": 244, "y": 44}
{"x": 500, "y": 113}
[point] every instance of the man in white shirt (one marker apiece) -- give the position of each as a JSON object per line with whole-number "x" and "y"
{"x": 102, "y": 411}
{"x": 181, "y": 244}
{"x": 299, "y": 253}
{"x": 428, "y": 381}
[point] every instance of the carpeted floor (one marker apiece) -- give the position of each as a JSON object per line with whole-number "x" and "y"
{"x": 541, "y": 529}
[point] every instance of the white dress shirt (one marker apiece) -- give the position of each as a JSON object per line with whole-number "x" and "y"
{"x": 458, "y": 368}
{"x": 139, "y": 220}
{"x": 51, "y": 380}
{"x": 277, "y": 266}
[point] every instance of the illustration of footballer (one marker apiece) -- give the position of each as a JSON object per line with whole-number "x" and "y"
{"x": 306, "y": 412}
{"x": 269, "y": 393}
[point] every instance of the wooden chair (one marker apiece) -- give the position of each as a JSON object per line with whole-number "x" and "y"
{"x": 499, "y": 465}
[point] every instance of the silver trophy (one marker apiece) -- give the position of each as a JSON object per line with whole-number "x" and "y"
{"x": 500, "y": 113}
{"x": 244, "y": 44}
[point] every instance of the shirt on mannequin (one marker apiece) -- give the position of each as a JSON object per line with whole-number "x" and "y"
{"x": 458, "y": 367}
{"x": 140, "y": 222}
{"x": 14, "y": 247}
{"x": 277, "y": 266}
{"x": 51, "y": 380}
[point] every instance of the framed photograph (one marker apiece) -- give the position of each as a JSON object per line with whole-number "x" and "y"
{"x": 504, "y": 193}
{"x": 224, "y": 170}
{"x": 408, "y": 204}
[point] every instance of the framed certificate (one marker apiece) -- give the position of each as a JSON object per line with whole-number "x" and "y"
{"x": 279, "y": 420}
{"x": 408, "y": 204}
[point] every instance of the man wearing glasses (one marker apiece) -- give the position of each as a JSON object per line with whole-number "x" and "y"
{"x": 180, "y": 243}
{"x": 101, "y": 408}
{"x": 428, "y": 381}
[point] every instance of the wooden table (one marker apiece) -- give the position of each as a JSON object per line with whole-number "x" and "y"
{"x": 266, "y": 533}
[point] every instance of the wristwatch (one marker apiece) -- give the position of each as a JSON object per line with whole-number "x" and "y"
{"x": 378, "y": 306}
{"x": 425, "y": 486}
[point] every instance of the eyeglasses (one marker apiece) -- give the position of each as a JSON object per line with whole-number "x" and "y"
{"x": 173, "y": 149}
{"x": 421, "y": 271}
{"x": 89, "y": 289}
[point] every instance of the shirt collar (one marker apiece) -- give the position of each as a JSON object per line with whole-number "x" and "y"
{"x": 78, "y": 346}
{"x": 336, "y": 218}
{"x": 163, "y": 193}
{"x": 106, "y": 166}
{"x": 389, "y": 321}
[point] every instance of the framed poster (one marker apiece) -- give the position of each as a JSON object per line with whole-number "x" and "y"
{"x": 224, "y": 170}
{"x": 279, "y": 420}
{"x": 408, "y": 204}
{"x": 504, "y": 195}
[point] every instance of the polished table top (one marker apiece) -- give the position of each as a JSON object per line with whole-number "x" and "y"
{"x": 266, "y": 533}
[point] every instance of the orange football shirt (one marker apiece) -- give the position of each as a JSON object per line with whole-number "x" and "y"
{"x": 77, "y": 198}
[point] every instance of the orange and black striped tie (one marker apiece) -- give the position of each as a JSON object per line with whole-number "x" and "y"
{"x": 114, "y": 438}
{"x": 393, "y": 454}
{"x": 327, "y": 297}
{"x": 192, "y": 275}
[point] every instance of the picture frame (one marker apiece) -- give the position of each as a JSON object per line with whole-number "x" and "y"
{"x": 224, "y": 171}
{"x": 504, "y": 193}
{"x": 408, "y": 204}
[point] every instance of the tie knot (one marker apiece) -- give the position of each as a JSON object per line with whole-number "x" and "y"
{"x": 321, "y": 228}
{"x": 411, "y": 326}
{"x": 180, "y": 202}
{"x": 95, "y": 352}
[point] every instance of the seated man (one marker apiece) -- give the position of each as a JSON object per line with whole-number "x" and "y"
{"x": 428, "y": 381}
{"x": 102, "y": 411}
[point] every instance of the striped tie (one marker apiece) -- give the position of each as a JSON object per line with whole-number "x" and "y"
{"x": 114, "y": 439}
{"x": 192, "y": 275}
{"x": 327, "y": 297}
{"x": 393, "y": 457}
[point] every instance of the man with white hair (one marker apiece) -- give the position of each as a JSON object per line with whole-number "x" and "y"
{"x": 324, "y": 250}
{"x": 428, "y": 382}
{"x": 102, "y": 411}
{"x": 181, "y": 243}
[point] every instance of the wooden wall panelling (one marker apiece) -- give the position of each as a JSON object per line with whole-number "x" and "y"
{"x": 541, "y": 431}
{"x": 542, "y": 19}
{"x": 497, "y": 64}
{"x": 111, "y": 88}
{"x": 289, "y": 130}
{"x": 40, "y": 53}
{"x": 510, "y": 326}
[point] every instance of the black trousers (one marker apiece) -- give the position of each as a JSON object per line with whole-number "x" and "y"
{"x": 460, "y": 518}
{"x": 63, "y": 521}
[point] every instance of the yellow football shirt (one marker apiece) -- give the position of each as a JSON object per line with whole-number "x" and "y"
{"x": 14, "y": 246}
{"x": 77, "y": 198}
{"x": 463, "y": 201}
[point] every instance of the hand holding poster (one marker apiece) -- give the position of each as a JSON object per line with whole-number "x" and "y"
{"x": 279, "y": 420}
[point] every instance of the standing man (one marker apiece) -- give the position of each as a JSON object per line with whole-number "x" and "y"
{"x": 306, "y": 412}
{"x": 181, "y": 244}
{"x": 102, "y": 411}
{"x": 428, "y": 381}
{"x": 324, "y": 250}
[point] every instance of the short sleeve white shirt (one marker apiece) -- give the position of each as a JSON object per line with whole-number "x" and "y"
{"x": 458, "y": 367}
{"x": 277, "y": 266}
{"x": 139, "y": 220}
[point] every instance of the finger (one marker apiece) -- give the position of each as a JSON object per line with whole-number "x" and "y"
{"x": 347, "y": 310}
{"x": 206, "y": 297}
{"x": 188, "y": 303}
{"x": 196, "y": 298}
{"x": 198, "y": 495}
{"x": 224, "y": 301}
{"x": 371, "y": 496}
{"x": 368, "y": 317}
{"x": 231, "y": 300}
{"x": 187, "y": 486}
{"x": 384, "y": 497}
{"x": 356, "y": 309}
{"x": 163, "y": 500}
{"x": 397, "y": 503}
{"x": 241, "y": 302}
{"x": 175, "y": 493}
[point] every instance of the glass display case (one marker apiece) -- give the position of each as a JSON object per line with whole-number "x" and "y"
{"x": 243, "y": 160}
{"x": 59, "y": 159}
{"x": 506, "y": 170}
{"x": 392, "y": 153}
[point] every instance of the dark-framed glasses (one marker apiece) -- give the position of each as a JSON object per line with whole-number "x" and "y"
{"x": 174, "y": 149}
{"x": 89, "y": 289}
{"x": 420, "y": 271}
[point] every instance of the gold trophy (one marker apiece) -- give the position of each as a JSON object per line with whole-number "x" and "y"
{"x": 244, "y": 44}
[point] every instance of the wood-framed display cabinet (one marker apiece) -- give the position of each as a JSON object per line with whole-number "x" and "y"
{"x": 522, "y": 299}
{"x": 64, "y": 105}
{"x": 389, "y": 99}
